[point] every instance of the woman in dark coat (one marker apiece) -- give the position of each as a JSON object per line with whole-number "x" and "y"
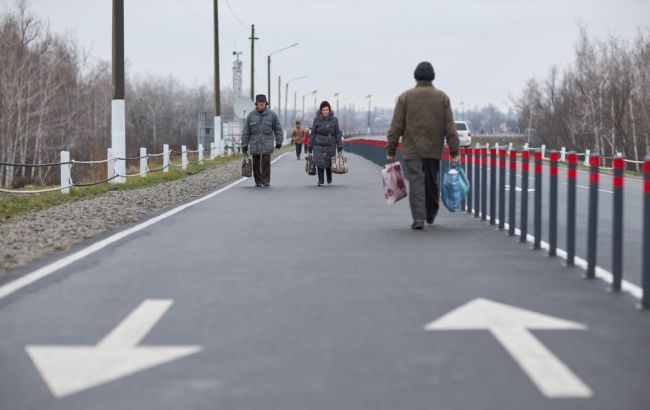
{"x": 325, "y": 141}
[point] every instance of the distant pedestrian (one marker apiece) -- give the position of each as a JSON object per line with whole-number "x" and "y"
{"x": 262, "y": 131}
{"x": 325, "y": 141}
{"x": 423, "y": 118}
{"x": 297, "y": 136}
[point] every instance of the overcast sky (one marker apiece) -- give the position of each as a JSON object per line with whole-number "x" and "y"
{"x": 483, "y": 51}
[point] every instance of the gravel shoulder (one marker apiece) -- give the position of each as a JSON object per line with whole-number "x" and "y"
{"x": 38, "y": 234}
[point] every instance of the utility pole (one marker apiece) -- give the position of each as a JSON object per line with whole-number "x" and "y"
{"x": 279, "y": 98}
{"x": 286, "y": 97}
{"x": 268, "y": 78}
{"x": 118, "y": 109}
{"x": 295, "y": 100}
{"x": 218, "y": 141}
{"x": 303, "y": 107}
{"x": 337, "y": 105}
{"x": 252, "y": 38}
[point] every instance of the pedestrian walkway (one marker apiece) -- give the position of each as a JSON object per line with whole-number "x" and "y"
{"x": 305, "y": 297}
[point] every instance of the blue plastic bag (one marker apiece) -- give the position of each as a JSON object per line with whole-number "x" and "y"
{"x": 455, "y": 187}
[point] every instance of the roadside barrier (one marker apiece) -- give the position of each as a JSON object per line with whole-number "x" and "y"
{"x": 503, "y": 162}
{"x": 488, "y": 201}
{"x": 66, "y": 166}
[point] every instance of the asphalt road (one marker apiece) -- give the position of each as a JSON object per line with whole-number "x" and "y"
{"x": 300, "y": 297}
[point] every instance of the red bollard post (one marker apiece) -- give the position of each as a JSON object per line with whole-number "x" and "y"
{"x": 645, "y": 274}
{"x": 493, "y": 186}
{"x": 572, "y": 159}
{"x": 463, "y": 161}
{"x": 470, "y": 159}
{"x": 617, "y": 221}
{"x": 592, "y": 227}
{"x": 553, "y": 186}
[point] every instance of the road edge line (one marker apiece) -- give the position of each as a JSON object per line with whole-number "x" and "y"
{"x": 32, "y": 277}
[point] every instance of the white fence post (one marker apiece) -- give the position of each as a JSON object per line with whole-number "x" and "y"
{"x": 587, "y": 157}
{"x": 543, "y": 151}
{"x": 143, "y": 162}
{"x": 110, "y": 165}
{"x": 563, "y": 154}
{"x": 526, "y": 146}
{"x": 184, "y": 156}
{"x": 65, "y": 172}
{"x": 213, "y": 150}
{"x": 165, "y": 157}
{"x": 201, "y": 154}
{"x": 284, "y": 132}
{"x": 510, "y": 146}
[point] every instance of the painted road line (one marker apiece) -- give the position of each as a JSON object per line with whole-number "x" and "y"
{"x": 47, "y": 270}
{"x": 71, "y": 369}
{"x": 510, "y": 325}
{"x": 586, "y": 187}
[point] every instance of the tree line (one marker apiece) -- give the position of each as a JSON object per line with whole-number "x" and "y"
{"x": 600, "y": 102}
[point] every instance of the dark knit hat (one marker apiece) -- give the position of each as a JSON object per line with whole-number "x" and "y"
{"x": 324, "y": 104}
{"x": 260, "y": 98}
{"x": 424, "y": 72}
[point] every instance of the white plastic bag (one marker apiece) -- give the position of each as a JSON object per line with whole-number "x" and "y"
{"x": 394, "y": 183}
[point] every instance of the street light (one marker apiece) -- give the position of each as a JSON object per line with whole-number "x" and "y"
{"x": 286, "y": 96}
{"x": 268, "y": 61}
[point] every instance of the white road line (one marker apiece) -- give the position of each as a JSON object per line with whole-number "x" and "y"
{"x": 47, "y": 270}
{"x": 587, "y": 188}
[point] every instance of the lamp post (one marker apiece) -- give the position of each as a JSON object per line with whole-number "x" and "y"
{"x": 336, "y": 95}
{"x": 286, "y": 96}
{"x": 268, "y": 68}
{"x": 315, "y": 94}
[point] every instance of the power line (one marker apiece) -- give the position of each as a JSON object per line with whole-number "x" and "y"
{"x": 246, "y": 26}
{"x": 200, "y": 17}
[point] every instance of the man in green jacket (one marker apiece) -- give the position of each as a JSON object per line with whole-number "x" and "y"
{"x": 423, "y": 119}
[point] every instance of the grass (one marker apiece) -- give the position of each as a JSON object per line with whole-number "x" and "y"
{"x": 13, "y": 205}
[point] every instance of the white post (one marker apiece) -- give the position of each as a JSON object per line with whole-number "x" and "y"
{"x": 510, "y": 146}
{"x": 543, "y": 151}
{"x": 563, "y": 154}
{"x": 587, "y": 157}
{"x": 184, "y": 156}
{"x": 285, "y": 142}
{"x": 526, "y": 146}
{"x": 165, "y": 157}
{"x": 65, "y": 172}
{"x": 143, "y": 162}
{"x": 118, "y": 137}
{"x": 213, "y": 150}
{"x": 201, "y": 154}
{"x": 110, "y": 164}
{"x": 218, "y": 137}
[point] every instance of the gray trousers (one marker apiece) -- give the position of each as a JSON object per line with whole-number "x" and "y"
{"x": 423, "y": 187}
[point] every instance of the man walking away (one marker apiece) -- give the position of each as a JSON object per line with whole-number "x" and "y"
{"x": 297, "y": 136}
{"x": 261, "y": 128}
{"x": 423, "y": 118}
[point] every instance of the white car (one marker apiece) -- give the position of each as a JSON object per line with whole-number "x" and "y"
{"x": 464, "y": 135}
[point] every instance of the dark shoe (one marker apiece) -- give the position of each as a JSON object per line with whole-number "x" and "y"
{"x": 417, "y": 225}
{"x": 320, "y": 184}
{"x": 430, "y": 221}
{"x": 258, "y": 184}
{"x": 329, "y": 180}
{"x": 267, "y": 184}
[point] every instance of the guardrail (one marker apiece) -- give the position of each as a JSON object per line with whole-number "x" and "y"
{"x": 488, "y": 202}
{"x": 66, "y": 165}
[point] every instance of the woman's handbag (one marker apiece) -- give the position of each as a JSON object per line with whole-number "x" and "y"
{"x": 247, "y": 167}
{"x": 455, "y": 187}
{"x": 310, "y": 166}
{"x": 394, "y": 183}
{"x": 339, "y": 164}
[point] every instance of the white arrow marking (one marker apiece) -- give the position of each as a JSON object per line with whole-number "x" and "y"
{"x": 71, "y": 369}
{"x": 510, "y": 325}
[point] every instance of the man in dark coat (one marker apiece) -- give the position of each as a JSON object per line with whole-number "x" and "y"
{"x": 262, "y": 131}
{"x": 423, "y": 119}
